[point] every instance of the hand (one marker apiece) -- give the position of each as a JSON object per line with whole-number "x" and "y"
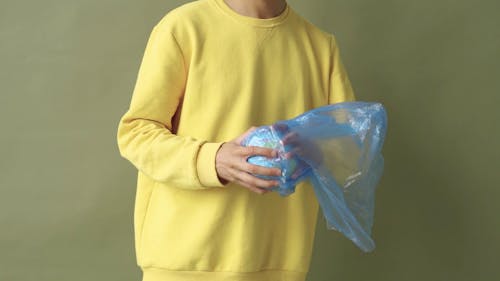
{"x": 232, "y": 166}
{"x": 301, "y": 145}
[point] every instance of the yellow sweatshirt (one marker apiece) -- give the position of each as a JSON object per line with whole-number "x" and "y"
{"x": 207, "y": 75}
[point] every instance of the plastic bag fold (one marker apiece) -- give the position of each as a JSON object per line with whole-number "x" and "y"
{"x": 338, "y": 149}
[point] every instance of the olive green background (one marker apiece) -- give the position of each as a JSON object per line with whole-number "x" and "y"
{"x": 67, "y": 71}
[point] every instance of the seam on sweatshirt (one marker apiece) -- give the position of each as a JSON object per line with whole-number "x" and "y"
{"x": 195, "y": 160}
{"x": 331, "y": 71}
{"x": 182, "y": 54}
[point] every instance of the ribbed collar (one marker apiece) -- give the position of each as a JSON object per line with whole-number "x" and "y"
{"x": 269, "y": 22}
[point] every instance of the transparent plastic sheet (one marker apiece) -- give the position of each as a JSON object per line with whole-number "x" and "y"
{"x": 338, "y": 148}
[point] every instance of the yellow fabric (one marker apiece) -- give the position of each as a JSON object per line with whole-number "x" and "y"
{"x": 207, "y": 75}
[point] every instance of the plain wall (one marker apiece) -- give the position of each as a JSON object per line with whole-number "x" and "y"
{"x": 67, "y": 72}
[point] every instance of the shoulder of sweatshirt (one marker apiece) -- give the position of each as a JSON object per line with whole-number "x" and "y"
{"x": 321, "y": 37}
{"x": 310, "y": 27}
{"x": 185, "y": 17}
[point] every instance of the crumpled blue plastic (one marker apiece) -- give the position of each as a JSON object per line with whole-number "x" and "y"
{"x": 338, "y": 148}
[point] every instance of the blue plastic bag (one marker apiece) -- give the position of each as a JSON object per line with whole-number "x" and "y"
{"x": 338, "y": 148}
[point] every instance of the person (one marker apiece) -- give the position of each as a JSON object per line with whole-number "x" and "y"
{"x": 212, "y": 71}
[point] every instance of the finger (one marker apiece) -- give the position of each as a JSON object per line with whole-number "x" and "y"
{"x": 260, "y": 170}
{"x": 291, "y": 135}
{"x": 253, "y": 188}
{"x": 303, "y": 155}
{"x": 256, "y": 150}
{"x": 234, "y": 178}
{"x": 281, "y": 127}
{"x": 255, "y": 181}
{"x": 298, "y": 151}
{"x": 291, "y": 138}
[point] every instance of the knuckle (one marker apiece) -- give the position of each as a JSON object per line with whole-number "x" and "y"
{"x": 252, "y": 169}
{"x": 264, "y": 171}
{"x": 266, "y": 184}
{"x": 252, "y": 150}
{"x": 243, "y": 150}
{"x": 270, "y": 184}
{"x": 254, "y": 181}
{"x": 264, "y": 151}
{"x": 268, "y": 172}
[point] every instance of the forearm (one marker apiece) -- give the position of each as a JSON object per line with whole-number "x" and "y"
{"x": 153, "y": 149}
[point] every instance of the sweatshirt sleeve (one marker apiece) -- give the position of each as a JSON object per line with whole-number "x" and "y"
{"x": 340, "y": 89}
{"x": 144, "y": 134}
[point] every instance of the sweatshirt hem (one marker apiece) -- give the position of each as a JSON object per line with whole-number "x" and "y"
{"x": 160, "y": 274}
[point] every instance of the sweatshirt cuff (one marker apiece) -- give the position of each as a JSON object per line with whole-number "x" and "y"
{"x": 205, "y": 165}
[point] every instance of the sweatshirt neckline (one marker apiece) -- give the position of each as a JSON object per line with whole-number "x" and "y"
{"x": 269, "y": 22}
